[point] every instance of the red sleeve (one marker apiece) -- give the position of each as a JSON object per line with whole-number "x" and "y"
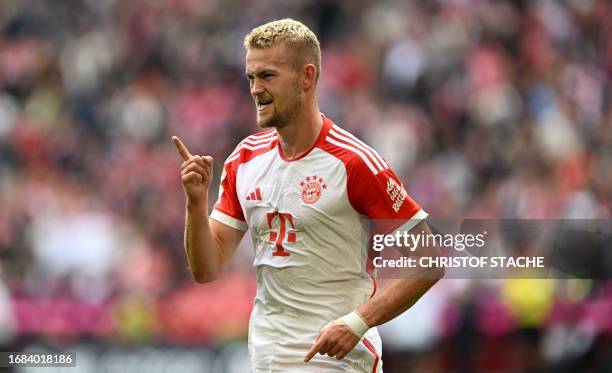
{"x": 381, "y": 196}
{"x": 227, "y": 209}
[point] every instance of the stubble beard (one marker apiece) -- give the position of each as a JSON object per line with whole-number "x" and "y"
{"x": 281, "y": 118}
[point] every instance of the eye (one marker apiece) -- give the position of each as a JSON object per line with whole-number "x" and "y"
{"x": 266, "y": 75}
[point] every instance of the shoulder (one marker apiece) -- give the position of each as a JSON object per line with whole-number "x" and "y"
{"x": 353, "y": 152}
{"x": 252, "y": 146}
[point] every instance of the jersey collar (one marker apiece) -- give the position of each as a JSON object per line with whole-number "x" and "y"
{"x": 327, "y": 125}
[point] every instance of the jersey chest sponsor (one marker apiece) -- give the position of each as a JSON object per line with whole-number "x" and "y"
{"x": 282, "y": 206}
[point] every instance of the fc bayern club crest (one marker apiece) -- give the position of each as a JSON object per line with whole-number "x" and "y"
{"x": 312, "y": 188}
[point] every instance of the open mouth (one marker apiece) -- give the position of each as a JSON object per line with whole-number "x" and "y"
{"x": 261, "y": 106}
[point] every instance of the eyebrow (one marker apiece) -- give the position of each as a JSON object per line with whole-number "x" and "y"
{"x": 259, "y": 74}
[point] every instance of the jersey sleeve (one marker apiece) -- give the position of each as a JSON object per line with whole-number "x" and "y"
{"x": 227, "y": 209}
{"x": 382, "y": 198}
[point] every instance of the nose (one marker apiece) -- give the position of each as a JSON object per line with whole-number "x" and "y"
{"x": 256, "y": 87}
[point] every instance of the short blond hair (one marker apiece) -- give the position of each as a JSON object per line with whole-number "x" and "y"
{"x": 293, "y": 34}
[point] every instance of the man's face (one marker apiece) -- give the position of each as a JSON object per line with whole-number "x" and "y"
{"x": 273, "y": 78}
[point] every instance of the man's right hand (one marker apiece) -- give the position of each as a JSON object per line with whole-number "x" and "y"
{"x": 196, "y": 173}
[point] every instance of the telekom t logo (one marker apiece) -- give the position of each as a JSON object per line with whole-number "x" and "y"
{"x": 279, "y": 237}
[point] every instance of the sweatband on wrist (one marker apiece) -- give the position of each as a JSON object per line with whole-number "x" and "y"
{"x": 355, "y": 323}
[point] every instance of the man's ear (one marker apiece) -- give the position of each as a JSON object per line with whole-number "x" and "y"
{"x": 309, "y": 76}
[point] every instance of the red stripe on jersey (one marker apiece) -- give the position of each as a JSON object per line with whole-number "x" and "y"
{"x": 262, "y": 135}
{"x": 245, "y": 153}
{"x": 372, "y": 254}
{"x": 373, "y": 351}
{"x": 253, "y": 140}
{"x": 343, "y": 144}
{"x": 251, "y": 146}
{"x": 374, "y": 283}
{"x": 258, "y": 142}
{"x": 361, "y": 146}
{"x": 258, "y": 194}
{"x": 257, "y": 146}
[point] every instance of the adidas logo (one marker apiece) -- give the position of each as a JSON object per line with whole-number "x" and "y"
{"x": 254, "y": 195}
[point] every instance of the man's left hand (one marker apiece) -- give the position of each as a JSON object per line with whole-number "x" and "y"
{"x": 334, "y": 340}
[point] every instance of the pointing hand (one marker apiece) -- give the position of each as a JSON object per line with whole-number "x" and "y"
{"x": 196, "y": 173}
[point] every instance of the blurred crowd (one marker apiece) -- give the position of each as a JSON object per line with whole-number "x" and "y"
{"x": 488, "y": 109}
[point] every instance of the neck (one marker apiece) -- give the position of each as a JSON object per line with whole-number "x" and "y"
{"x": 299, "y": 136}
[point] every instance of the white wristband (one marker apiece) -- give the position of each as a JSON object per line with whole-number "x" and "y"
{"x": 354, "y": 322}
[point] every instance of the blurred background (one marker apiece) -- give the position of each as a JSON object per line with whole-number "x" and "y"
{"x": 488, "y": 109}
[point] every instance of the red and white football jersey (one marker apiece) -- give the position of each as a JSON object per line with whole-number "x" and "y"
{"x": 309, "y": 222}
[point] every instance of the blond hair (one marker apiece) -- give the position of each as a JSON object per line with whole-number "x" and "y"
{"x": 293, "y": 34}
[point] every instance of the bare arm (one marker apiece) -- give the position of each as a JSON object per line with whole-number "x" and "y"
{"x": 338, "y": 338}
{"x": 401, "y": 293}
{"x": 209, "y": 245}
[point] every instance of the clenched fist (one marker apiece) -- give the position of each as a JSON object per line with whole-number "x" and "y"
{"x": 196, "y": 173}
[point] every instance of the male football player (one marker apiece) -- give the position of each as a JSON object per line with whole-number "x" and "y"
{"x": 307, "y": 190}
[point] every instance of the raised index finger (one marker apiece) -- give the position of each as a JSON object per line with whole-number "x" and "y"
{"x": 182, "y": 149}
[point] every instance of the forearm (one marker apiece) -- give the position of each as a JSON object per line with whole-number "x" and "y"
{"x": 404, "y": 290}
{"x": 202, "y": 249}
{"x": 398, "y": 296}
